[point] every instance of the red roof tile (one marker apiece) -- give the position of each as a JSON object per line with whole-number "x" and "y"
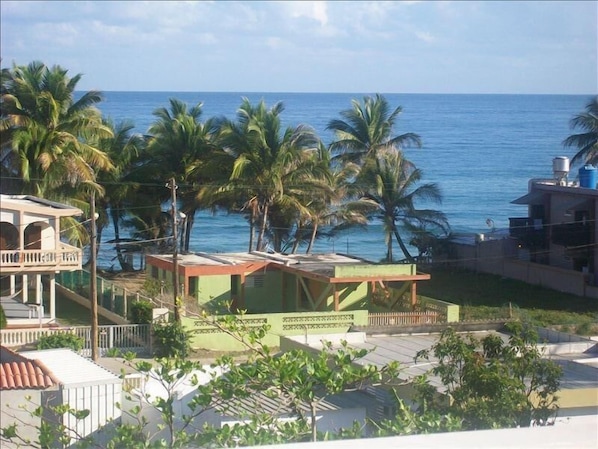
{"x": 18, "y": 372}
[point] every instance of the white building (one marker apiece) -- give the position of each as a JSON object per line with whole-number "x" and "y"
{"x": 31, "y": 253}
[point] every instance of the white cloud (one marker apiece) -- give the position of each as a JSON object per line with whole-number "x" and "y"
{"x": 315, "y": 10}
{"x": 425, "y": 36}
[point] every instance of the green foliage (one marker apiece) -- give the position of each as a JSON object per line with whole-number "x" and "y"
{"x": 492, "y": 384}
{"x": 60, "y": 340}
{"x": 152, "y": 287}
{"x": 172, "y": 340}
{"x": 141, "y": 312}
{"x": 113, "y": 352}
{"x": 409, "y": 422}
{"x": 3, "y": 323}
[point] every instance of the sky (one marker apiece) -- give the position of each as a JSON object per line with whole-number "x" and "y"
{"x": 301, "y": 46}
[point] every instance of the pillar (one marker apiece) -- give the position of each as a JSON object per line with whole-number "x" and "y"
{"x": 25, "y": 291}
{"x": 52, "y": 297}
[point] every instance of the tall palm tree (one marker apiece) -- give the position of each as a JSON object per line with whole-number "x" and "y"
{"x": 366, "y": 129}
{"x": 50, "y": 130}
{"x": 389, "y": 190}
{"x": 124, "y": 148}
{"x": 587, "y": 141}
{"x": 268, "y": 163}
{"x": 182, "y": 147}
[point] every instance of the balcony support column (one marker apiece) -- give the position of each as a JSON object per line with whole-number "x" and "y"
{"x": 25, "y": 291}
{"x": 13, "y": 284}
{"x": 39, "y": 289}
{"x": 52, "y": 296}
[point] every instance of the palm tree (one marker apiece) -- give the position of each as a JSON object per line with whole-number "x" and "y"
{"x": 367, "y": 129}
{"x": 124, "y": 149}
{"x": 389, "y": 190}
{"x": 49, "y": 130}
{"x": 269, "y": 163}
{"x": 182, "y": 147}
{"x": 587, "y": 141}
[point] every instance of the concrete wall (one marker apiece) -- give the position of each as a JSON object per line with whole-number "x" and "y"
{"x": 11, "y": 413}
{"x": 491, "y": 257}
{"x": 209, "y": 337}
{"x": 267, "y": 298}
{"x": 212, "y": 290}
{"x": 373, "y": 270}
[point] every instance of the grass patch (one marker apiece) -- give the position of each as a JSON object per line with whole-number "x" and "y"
{"x": 485, "y": 296}
{"x": 69, "y": 313}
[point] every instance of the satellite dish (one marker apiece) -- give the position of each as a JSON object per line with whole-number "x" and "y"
{"x": 490, "y": 224}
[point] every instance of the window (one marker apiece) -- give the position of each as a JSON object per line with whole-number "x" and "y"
{"x": 255, "y": 281}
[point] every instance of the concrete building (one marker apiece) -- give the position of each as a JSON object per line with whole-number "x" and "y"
{"x": 56, "y": 377}
{"x": 261, "y": 282}
{"x": 578, "y": 356}
{"x": 31, "y": 253}
{"x": 553, "y": 244}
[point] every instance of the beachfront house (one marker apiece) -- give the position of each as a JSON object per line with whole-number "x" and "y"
{"x": 553, "y": 244}
{"x": 261, "y": 282}
{"x": 31, "y": 253}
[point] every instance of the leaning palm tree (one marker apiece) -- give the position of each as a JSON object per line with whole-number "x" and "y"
{"x": 388, "y": 189}
{"x": 587, "y": 141}
{"x": 50, "y": 130}
{"x": 366, "y": 129}
{"x": 268, "y": 163}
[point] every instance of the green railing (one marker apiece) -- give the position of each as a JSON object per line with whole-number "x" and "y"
{"x": 111, "y": 296}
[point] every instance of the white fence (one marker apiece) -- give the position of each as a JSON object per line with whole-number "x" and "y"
{"x": 128, "y": 337}
{"x": 410, "y": 318}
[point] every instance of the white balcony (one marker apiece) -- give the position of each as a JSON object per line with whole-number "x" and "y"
{"x": 65, "y": 258}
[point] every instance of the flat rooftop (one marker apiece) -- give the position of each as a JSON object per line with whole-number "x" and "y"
{"x": 579, "y": 358}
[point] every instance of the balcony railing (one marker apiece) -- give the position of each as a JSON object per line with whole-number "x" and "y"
{"x": 66, "y": 257}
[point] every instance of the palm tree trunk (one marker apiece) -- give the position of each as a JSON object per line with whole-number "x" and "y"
{"x": 251, "y": 228}
{"x": 189, "y": 222}
{"x": 312, "y": 238}
{"x": 297, "y": 236}
{"x": 389, "y": 255}
{"x": 119, "y": 255}
{"x": 260, "y": 237}
{"x": 401, "y": 243}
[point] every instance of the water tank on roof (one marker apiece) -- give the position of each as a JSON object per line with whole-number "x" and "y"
{"x": 588, "y": 176}
{"x": 560, "y": 168}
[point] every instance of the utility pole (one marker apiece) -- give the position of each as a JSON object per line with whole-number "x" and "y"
{"x": 175, "y": 263}
{"x": 93, "y": 284}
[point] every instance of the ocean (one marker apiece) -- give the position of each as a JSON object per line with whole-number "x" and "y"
{"x": 481, "y": 150}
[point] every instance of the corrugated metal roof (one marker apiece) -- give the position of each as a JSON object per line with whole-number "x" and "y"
{"x": 71, "y": 369}
{"x": 20, "y": 373}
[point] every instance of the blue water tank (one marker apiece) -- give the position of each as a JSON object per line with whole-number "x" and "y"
{"x": 588, "y": 176}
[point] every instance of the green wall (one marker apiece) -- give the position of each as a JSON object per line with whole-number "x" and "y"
{"x": 206, "y": 336}
{"x": 373, "y": 270}
{"x": 267, "y": 298}
{"x": 213, "y": 290}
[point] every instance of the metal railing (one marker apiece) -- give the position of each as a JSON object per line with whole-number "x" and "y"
{"x": 127, "y": 337}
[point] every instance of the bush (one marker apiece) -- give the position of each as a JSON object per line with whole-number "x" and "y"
{"x": 3, "y": 323}
{"x": 61, "y": 340}
{"x": 171, "y": 340}
{"x": 141, "y": 312}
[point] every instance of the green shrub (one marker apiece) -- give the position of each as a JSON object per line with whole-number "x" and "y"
{"x": 113, "y": 352}
{"x": 3, "y": 323}
{"x": 60, "y": 340}
{"x": 171, "y": 340}
{"x": 141, "y": 312}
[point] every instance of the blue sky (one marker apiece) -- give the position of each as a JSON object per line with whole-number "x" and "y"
{"x": 292, "y": 46}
